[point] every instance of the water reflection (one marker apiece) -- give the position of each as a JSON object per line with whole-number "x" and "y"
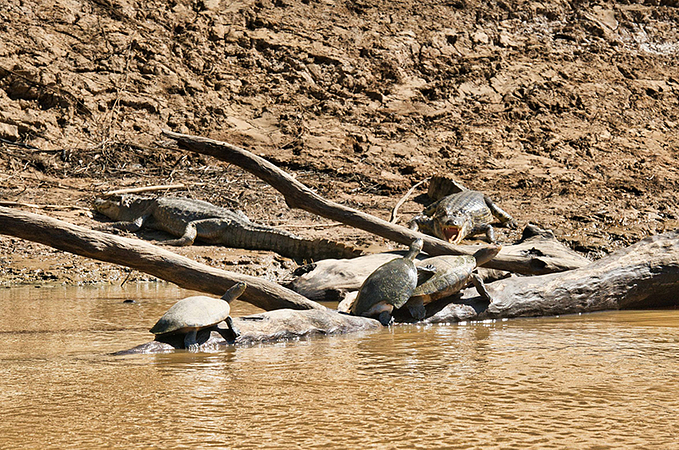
{"x": 604, "y": 380}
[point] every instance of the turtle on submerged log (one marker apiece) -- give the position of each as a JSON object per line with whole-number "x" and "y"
{"x": 269, "y": 327}
{"x": 389, "y": 287}
{"x": 453, "y": 273}
{"x": 334, "y": 280}
{"x": 192, "y": 315}
{"x": 642, "y": 276}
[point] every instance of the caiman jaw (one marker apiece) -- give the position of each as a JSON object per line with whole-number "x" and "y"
{"x": 452, "y": 234}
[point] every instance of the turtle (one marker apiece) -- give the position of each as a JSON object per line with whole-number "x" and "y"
{"x": 193, "y": 314}
{"x": 389, "y": 286}
{"x": 453, "y": 273}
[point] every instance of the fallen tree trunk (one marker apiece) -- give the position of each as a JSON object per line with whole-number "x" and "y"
{"x": 300, "y": 196}
{"x": 273, "y": 326}
{"x": 331, "y": 279}
{"x": 644, "y": 275}
{"x": 147, "y": 258}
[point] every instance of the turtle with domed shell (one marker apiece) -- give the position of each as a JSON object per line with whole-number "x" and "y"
{"x": 193, "y": 314}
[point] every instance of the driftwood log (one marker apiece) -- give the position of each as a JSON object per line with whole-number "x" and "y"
{"x": 147, "y": 258}
{"x": 272, "y": 326}
{"x": 641, "y": 276}
{"x": 644, "y": 275}
{"x": 331, "y": 279}
{"x": 297, "y": 195}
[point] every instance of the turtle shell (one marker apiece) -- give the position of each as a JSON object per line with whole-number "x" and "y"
{"x": 192, "y": 313}
{"x": 452, "y": 275}
{"x": 392, "y": 282}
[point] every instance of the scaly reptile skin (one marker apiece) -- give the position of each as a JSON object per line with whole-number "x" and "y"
{"x": 458, "y": 216}
{"x": 191, "y": 219}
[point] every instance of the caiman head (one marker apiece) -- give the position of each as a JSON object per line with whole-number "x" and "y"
{"x": 452, "y": 228}
{"x": 121, "y": 207}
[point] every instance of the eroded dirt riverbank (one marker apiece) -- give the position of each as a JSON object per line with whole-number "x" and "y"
{"x": 567, "y": 114}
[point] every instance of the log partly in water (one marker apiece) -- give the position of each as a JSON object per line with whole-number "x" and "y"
{"x": 645, "y": 275}
{"x": 147, "y": 258}
{"x": 331, "y": 279}
{"x": 273, "y": 326}
{"x": 641, "y": 276}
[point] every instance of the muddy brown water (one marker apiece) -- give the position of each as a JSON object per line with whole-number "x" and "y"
{"x": 605, "y": 380}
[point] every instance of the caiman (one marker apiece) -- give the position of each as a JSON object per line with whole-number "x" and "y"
{"x": 191, "y": 220}
{"x": 461, "y": 215}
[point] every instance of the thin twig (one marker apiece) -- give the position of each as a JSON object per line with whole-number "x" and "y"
{"x": 159, "y": 187}
{"x": 394, "y": 217}
{"x": 129, "y": 274}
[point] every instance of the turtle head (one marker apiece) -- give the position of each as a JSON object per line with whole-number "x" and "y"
{"x": 486, "y": 254}
{"x": 453, "y": 229}
{"x": 415, "y": 249}
{"x": 234, "y": 291}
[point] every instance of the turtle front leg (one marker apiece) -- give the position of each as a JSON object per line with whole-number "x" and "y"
{"x": 234, "y": 331}
{"x": 386, "y": 318}
{"x": 191, "y": 341}
{"x": 416, "y": 308}
{"x": 383, "y": 311}
{"x": 481, "y": 287}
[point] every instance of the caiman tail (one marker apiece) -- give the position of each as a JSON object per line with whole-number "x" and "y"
{"x": 257, "y": 237}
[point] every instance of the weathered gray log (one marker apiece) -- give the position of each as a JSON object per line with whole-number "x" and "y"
{"x": 331, "y": 279}
{"x": 297, "y": 195}
{"x": 147, "y": 258}
{"x": 273, "y": 326}
{"x": 644, "y": 275}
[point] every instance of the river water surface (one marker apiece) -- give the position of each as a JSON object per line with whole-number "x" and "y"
{"x": 605, "y": 380}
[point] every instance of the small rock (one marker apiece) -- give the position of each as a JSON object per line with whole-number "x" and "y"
{"x": 480, "y": 38}
{"x": 9, "y": 132}
{"x": 217, "y": 32}
{"x": 373, "y": 95}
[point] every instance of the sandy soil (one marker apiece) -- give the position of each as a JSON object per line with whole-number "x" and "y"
{"x": 566, "y": 113}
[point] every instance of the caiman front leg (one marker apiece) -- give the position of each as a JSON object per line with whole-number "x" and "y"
{"x": 501, "y": 215}
{"x": 133, "y": 226}
{"x": 486, "y": 229}
{"x": 422, "y": 223}
{"x": 207, "y": 230}
{"x": 188, "y": 238}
